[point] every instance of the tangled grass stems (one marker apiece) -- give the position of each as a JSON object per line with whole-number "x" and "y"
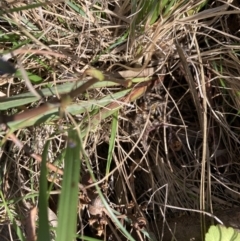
{"x": 176, "y": 134}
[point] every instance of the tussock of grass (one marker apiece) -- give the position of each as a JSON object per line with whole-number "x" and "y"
{"x": 159, "y": 131}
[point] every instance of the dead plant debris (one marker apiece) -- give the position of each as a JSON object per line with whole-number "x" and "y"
{"x": 176, "y": 150}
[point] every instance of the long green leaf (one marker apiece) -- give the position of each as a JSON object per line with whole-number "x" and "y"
{"x": 73, "y": 109}
{"x": 76, "y": 8}
{"x": 105, "y": 203}
{"x": 112, "y": 141}
{"x": 67, "y": 210}
{"x": 27, "y": 98}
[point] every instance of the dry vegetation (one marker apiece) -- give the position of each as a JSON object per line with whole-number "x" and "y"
{"x": 161, "y": 134}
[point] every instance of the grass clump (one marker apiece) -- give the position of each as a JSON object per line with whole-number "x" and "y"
{"x": 132, "y": 106}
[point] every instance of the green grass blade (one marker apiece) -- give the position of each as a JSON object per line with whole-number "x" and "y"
{"x": 32, "y": 77}
{"x": 86, "y": 238}
{"x": 28, "y": 98}
{"x": 112, "y": 141}
{"x": 67, "y": 210}
{"x": 105, "y": 203}
{"x": 43, "y": 231}
{"x": 119, "y": 41}
{"x": 22, "y": 8}
{"x": 76, "y": 8}
{"x": 150, "y": 10}
{"x": 73, "y": 109}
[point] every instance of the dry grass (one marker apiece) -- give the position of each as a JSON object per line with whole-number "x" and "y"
{"x": 176, "y": 149}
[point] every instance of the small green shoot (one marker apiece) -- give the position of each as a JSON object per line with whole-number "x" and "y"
{"x": 12, "y": 219}
{"x": 35, "y": 79}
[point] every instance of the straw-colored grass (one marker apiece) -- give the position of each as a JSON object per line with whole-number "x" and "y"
{"x": 133, "y": 106}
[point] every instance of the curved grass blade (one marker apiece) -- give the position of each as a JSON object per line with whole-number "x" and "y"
{"x": 105, "y": 203}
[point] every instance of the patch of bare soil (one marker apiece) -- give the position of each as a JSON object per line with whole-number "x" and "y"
{"x": 187, "y": 227}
